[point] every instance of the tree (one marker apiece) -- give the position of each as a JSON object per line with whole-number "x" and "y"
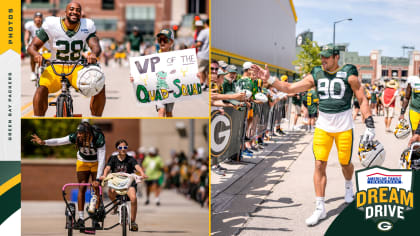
{"x": 45, "y": 129}
{"x": 308, "y": 58}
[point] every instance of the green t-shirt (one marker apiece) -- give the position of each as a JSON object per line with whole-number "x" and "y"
{"x": 89, "y": 153}
{"x": 373, "y": 98}
{"x": 297, "y": 100}
{"x": 135, "y": 42}
{"x": 245, "y": 83}
{"x": 227, "y": 86}
{"x": 311, "y": 99}
{"x": 153, "y": 167}
{"x": 334, "y": 91}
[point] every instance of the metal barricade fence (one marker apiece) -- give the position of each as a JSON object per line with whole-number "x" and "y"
{"x": 228, "y": 130}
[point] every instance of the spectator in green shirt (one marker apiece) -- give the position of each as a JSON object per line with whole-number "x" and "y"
{"x": 153, "y": 166}
{"x": 134, "y": 42}
{"x": 230, "y": 80}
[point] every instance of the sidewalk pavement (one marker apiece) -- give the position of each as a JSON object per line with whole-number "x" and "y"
{"x": 274, "y": 193}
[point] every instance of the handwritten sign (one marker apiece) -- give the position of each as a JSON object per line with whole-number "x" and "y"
{"x": 165, "y": 77}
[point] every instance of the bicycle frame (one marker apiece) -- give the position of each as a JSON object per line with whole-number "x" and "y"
{"x": 100, "y": 215}
{"x": 65, "y": 96}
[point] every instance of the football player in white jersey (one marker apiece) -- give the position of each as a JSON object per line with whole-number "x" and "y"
{"x": 31, "y": 28}
{"x": 67, "y": 37}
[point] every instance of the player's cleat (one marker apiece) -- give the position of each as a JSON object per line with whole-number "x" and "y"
{"x": 318, "y": 214}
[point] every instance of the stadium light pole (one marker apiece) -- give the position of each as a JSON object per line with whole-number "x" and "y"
{"x": 335, "y": 22}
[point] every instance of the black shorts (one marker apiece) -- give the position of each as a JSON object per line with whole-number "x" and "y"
{"x": 356, "y": 104}
{"x": 313, "y": 115}
{"x": 151, "y": 182}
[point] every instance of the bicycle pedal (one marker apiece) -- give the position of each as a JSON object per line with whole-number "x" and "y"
{"x": 53, "y": 104}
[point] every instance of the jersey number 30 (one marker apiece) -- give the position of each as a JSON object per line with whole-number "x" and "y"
{"x": 75, "y": 47}
{"x": 326, "y": 88}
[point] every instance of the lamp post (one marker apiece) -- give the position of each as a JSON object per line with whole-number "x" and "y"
{"x": 335, "y": 22}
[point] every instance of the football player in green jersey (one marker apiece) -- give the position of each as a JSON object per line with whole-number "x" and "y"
{"x": 90, "y": 144}
{"x": 67, "y": 37}
{"x": 335, "y": 87}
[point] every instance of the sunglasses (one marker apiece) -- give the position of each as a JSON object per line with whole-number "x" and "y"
{"x": 164, "y": 40}
{"x": 122, "y": 147}
{"x": 214, "y": 68}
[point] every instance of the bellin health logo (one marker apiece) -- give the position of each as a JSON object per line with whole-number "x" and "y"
{"x": 384, "y": 195}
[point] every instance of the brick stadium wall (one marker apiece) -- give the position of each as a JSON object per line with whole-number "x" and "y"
{"x": 43, "y": 179}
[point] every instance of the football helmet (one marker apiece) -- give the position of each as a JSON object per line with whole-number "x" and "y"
{"x": 410, "y": 157}
{"x": 261, "y": 97}
{"x": 90, "y": 80}
{"x": 371, "y": 153}
{"x": 402, "y": 130}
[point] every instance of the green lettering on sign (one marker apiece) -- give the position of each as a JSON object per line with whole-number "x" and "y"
{"x": 176, "y": 83}
{"x": 141, "y": 90}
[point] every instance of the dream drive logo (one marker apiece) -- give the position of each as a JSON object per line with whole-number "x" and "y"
{"x": 384, "y": 195}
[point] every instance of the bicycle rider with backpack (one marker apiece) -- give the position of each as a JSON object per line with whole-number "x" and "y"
{"x": 90, "y": 143}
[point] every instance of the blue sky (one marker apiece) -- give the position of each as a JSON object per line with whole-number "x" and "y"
{"x": 377, "y": 24}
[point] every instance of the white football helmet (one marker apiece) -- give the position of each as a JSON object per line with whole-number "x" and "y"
{"x": 402, "y": 130}
{"x": 261, "y": 97}
{"x": 371, "y": 153}
{"x": 410, "y": 157}
{"x": 90, "y": 80}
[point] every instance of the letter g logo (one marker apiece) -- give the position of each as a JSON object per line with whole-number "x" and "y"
{"x": 384, "y": 226}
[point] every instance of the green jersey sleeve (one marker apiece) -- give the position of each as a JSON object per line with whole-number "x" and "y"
{"x": 100, "y": 140}
{"x": 73, "y": 137}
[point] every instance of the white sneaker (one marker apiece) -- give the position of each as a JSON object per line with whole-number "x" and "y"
{"x": 318, "y": 214}
{"x": 349, "y": 196}
{"x": 33, "y": 76}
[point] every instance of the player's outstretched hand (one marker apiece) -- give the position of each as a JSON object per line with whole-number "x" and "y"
{"x": 261, "y": 73}
{"x": 36, "y": 139}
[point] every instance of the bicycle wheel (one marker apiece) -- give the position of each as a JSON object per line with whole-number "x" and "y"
{"x": 70, "y": 232}
{"x": 124, "y": 220}
{"x": 64, "y": 107}
{"x": 69, "y": 219}
{"x": 61, "y": 107}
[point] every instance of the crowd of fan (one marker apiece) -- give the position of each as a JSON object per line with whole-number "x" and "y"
{"x": 188, "y": 175}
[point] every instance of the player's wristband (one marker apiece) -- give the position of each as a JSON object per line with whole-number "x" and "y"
{"x": 271, "y": 80}
{"x": 369, "y": 122}
{"x": 402, "y": 110}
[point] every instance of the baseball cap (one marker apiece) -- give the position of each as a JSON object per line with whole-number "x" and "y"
{"x": 247, "y": 65}
{"x": 329, "y": 50}
{"x": 135, "y": 28}
{"x": 231, "y": 69}
{"x": 199, "y": 23}
{"x": 221, "y": 72}
{"x": 37, "y": 14}
{"x": 167, "y": 33}
{"x": 152, "y": 150}
{"x": 222, "y": 64}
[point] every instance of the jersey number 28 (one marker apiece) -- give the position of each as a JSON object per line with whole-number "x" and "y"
{"x": 326, "y": 88}
{"x": 75, "y": 47}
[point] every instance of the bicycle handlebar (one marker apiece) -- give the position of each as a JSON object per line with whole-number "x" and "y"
{"x": 80, "y": 184}
{"x": 52, "y": 63}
